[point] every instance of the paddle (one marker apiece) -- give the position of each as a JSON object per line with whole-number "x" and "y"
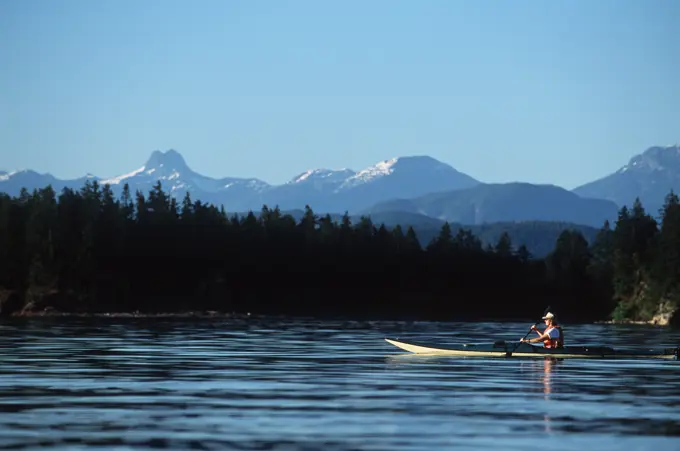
{"x": 509, "y": 353}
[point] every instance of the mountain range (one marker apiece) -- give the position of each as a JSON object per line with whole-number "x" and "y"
{"x": 649, "y": 176}
{"x": 502, "y": 202}
{"x": 417, "y": 189}
{"x": 324, "y": 189}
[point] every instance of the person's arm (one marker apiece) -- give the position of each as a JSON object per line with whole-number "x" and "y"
{"x": 540, "y": 334}
{"x": 541, "y": 337}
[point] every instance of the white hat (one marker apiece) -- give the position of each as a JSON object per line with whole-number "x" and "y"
{"x": 548, "y": 316}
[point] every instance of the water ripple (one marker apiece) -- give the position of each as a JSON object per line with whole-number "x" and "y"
{"x": 282, "y": 385}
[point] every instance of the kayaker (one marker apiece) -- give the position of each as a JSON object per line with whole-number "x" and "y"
{"x": 552, "y": 337}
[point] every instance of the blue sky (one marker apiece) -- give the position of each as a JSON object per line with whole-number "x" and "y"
{"x": 543, "y": 92}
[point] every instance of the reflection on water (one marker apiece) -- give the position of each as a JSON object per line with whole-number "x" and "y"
{"x": 216, "y": 384}
{"x": 543, "y": 370}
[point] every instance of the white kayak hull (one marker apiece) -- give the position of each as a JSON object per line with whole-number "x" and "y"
{"x": 516, "y": 349}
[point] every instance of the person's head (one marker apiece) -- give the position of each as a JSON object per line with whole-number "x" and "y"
{"x": 549, "y": 319}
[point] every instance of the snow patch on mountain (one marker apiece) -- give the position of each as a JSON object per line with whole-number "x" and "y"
{"x": 9, "y": 174}
{"x": 172, "y": 171}
{"x": 648, "y": 176}
{"x": 4, "y": 176}
{"x": 326, "y": 175}
{"x": 205, "y": 183}
{"x": 380, "y": 169}
{"x": 117, "y": 180}
{"x": 177, "y": 186}
{"x": 657, "y": 158}
{"x": 217, "y": 185}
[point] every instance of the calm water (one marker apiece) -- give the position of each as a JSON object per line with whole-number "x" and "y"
{"x": 275, "y": 385}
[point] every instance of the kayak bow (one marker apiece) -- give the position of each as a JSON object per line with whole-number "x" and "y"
{"x": 506, "y": 349}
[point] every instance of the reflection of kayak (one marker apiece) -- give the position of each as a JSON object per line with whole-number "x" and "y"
{"x": 516, "y": 349}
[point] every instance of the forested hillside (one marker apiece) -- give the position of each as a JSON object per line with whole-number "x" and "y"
{"x": 88, "y": 251}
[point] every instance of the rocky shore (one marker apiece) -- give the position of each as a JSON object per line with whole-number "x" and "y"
{"x": 28, "y": 312}
{"x": 12, "y": 306}
{"x": 666, "y": 315}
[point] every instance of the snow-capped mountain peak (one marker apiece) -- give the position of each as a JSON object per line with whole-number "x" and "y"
{"x": 412, "y": 166}
{"x": 380, "y": 169}
{"x": 176, "y": 177}
{"x": 648, "y": 176}
{"x": 325, "y": 175}
{"x": 163, "y": 166}
{"x": 169, "y": 165}
{"x": 324, "y": 189}
{"x": 657, "y": 158}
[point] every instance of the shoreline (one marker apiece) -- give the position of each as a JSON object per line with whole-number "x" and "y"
{"x": 651, "y": 322}
{"x": 50, "y": 312}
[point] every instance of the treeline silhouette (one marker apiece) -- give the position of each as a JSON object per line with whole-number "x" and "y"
{"x": 87, "y": 251}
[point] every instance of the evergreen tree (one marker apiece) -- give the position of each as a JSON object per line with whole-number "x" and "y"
{"x": 504, "y": 245}
{"x": 667, "y": 251}
{"x": 633, "y": 240}
{"x": 601, "y": 267}
{"x": 411, "y": 242}
{"x": 466, "y": 241}
{"x": 5, "y": 206}
{"x": 569, "y": 262}
{"x": 523, "y": 254}
{"x": 309, "y": 220}
{"x": 603, "y": 250}
{"x": 443, "y": 243}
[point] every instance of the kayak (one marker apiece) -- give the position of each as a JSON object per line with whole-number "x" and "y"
{"x": 517, "y": 349}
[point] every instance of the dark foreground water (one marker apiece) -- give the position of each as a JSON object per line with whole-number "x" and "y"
{"x": 275, "y": 385}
